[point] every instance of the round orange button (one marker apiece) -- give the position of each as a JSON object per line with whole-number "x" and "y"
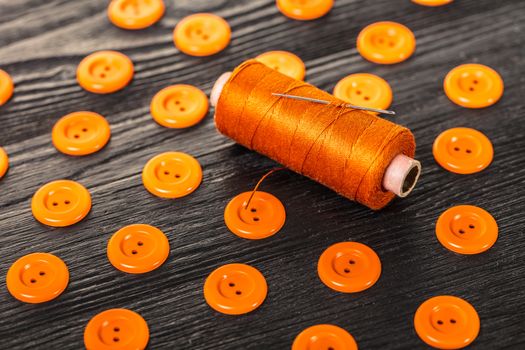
{"x": 304, "y": 10}
{"x": 432, "y": 2}
{"x": 116, "y": 329}
{"x": 6, "y": 87}
{"x": 61, "y": 203}
{"x": 264, "y": 217}
{"x": 324, "y": 336}
{"x": 386, "y": 42}
{"x": 284, "y": 62}
{"x": 4, "y": 162}
{"x": 105, "y": 72}
{"x": 349, "y": 267}
{"x": 446, "y": 322}
{"x": 172, "y": 175}
{"x": 37, "y": 278}
{"x": 202, "y": 34}
{"x": 463, "y": 150}
{"x": 466, "y": 229}
{"x": 473, "y": 86}
{"x": 235, "y": 289}
{"x": 179, "y": 106}
{"x": 138, "y": 248}
{"x": 366, "y": 90}
{"x": 80, "y": 133}
{"x": 135, "y": 14}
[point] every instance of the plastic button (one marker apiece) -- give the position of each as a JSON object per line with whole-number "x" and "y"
{"x": 172, "y": 175}
{"x": 324, "y": 336}
{"x": 446, "y": 322}
{"x": 473, "y": 86}
{"x": 37, "y": 278}
{"x": 61, "y": 203}
{"x": 366, "y": 90}
{"x": 386, "y": 42}
{"x": 135, "y": 14}
{"x": 235, "y": 289}
{"x": 284, "y": 62}
{"x": 105, "y": 72}
{"x": 4, "y": 162}
{"x": 463, "y": 150}
{"x": 349, "y": 267}
{"x": 116, "y": 329}
{"x": 6, "y": 87}
{"x": 202, "y": 34}
{"x": 138, "y": 248}
{"x": 466, "y": 229}
{"x": 179, "y": 106}
{"x": 264, "y": 217}
{"x": 432, "y": 2}
{"x": 304, "y": 9}
{"x": 80, "y": 133}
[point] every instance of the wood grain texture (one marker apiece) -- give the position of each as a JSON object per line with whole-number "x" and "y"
{"x": 41, "y": 43}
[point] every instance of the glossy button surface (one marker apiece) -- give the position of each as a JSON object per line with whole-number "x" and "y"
{"x": 135, "y": 14}
{"x": 80, "y": 133}
{"x": 432, "y": 2}
{"x": 202, "y": 34}
{"x": 264, "y": 217}
{"x": 138, "y": 248}
{"x": 37, "y": 278}
{"x": 61, "y": 203}
{"x": 466, "y": 229}
{"x": 365, "y": 90}
{"x": 284, "y": 62}
{"x": 172, "y": 175}
{"x": 473, "y": 86}
{"x": 349, "y": 267}
{"x": 386, "y": 42}
{"x": 6, "y": 87}
{"x": 4, "y": 162}
{"x": 235, "y": 289}
{"x": 179, "y": 106}
{"x": 304, "y": 9}
{"x": 116, "y": 329}
{"x": 324, "y": 337}
{"x": 104, "y": 72}
{"x": 446, "y": 322}
{"x": 463, "y": 150}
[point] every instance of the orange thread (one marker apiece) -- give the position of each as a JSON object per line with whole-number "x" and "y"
{"x": 346, "y": 150}
{"x": 259, "y": 184}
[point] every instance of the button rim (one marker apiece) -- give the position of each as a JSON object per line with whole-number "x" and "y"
{"x": 7, "y": 92}
{"x": 125, "y": 22}
{"x": 301, "y": 341}
{"x": 4, "y": 162}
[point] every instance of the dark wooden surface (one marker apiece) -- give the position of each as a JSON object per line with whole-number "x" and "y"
{"x": 41, "y": 43}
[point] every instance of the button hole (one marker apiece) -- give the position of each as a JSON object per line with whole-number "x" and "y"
{"x": 352, "y": 262}
{"x": 177, "y": 102}
{"x": 475, "y": 81}
{"x": 166, "y": 173}
{"x": 76, "y": 136}
{"x": 55, "y": 204}
{"x": 177, "y": 176}
{"x": 205, "y": 37}
{"x": 107, "y": 68}
{"x": 452, "y": 321}
{"x": 367, "y": 98}
{"x": 102, "y": 75}
{"x": 133, "y": 252}
{"x": 67, "y": 202}
{"x": 461, "y": 231}
{"x": 471, "y": 226}
{"x": 116, "y": 329}
{"x": 440, "y": 322}
{"x": 140, "y": 244}
{"x": 471, "y": 88}
{"x": 358, "y": 92}
{"x": 116, "y": 339}
{"x": 238, "y": 292}
{"x": 231, "y": 284}
{"x": 468, "y": 151}
{"x": 253, "y": 210}
{"x": 256, "y": 219}
{"x": 182, "y": 109}
{"x": 456, "y": 149}
{"x": 33, "y": 280}
{"x": 84, "y": 130}
{"x": 347, "y": 270}
{"x": 42, "y": 273}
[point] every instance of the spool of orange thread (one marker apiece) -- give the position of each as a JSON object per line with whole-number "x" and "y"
{"x": 359, "y": 155}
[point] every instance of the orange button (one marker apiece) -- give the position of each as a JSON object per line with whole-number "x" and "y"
{"x": 386, "y": 42}
{"x": 172, "y": 175}
{"x": 235, "y": 289}
{"x": 283, "y": 62}
{"x": 263, "y": 218}
{"x": 463, "y": 150}
{"x": 202, "y": 34}
{"x": 6, "y": 87}
{"x": 349, "y": 267}
{"x": 4, "y": 162}
{"x": 466, "y": 229}
{"x": 116, "y": 329}
{"x": 80, "y": 133}
{"x": 446, "y": 322}
{"x": 365, "y": 90}
{"x": 324, "y": 336}
{"x": 432, "y": 2}
{"x": 37, "y": 278}
{"x": 61, "y": 203}
{"x": 104, "y": 72}
{"x": 138, "y": 248}
{"x": 179, "y": 106}
{"x": 304, "y": 9}
{"x": 135, "y": 14}
{"x": 473, "y": 86}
